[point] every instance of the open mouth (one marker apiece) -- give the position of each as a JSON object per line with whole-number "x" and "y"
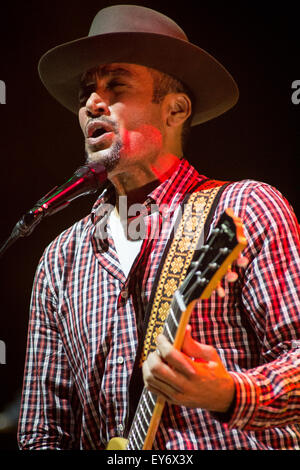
{"x": 97, "y": 128}
{"x": 97, "y": 132}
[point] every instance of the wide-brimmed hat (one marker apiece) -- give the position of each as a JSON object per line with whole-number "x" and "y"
{"x": 139, "y": 35}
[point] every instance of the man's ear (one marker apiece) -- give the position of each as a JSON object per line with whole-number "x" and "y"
{"x": 178, "y": 109}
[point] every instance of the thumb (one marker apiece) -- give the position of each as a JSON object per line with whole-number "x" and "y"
{"x": 192, "y": 348}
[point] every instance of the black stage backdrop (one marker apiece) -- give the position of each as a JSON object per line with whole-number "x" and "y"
{"x": 41, "y": 143}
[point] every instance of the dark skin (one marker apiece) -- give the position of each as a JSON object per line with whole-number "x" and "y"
{"x": 183, "y": 381}
{"x": 149, "y": 138}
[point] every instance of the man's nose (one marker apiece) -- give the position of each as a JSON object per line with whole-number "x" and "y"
{"x": 97, "y": 106}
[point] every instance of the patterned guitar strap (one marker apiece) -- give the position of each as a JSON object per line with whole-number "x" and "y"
{"x": 191, "y": 229}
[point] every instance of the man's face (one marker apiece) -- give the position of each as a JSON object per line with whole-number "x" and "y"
{"x": 121, "y": 124}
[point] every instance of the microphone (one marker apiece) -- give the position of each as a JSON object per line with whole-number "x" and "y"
{"x": 87, "y": 179}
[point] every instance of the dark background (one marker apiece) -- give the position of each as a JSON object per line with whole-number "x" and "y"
{"x": 41, "y": 143}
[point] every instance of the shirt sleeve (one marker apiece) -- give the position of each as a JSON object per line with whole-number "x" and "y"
{"x": 50, "y": 406}
{"x": 269, "y": 395}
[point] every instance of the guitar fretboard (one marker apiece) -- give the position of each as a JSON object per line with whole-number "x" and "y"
{"x": 223, "y": 246}
{"x": 147, "y": 402}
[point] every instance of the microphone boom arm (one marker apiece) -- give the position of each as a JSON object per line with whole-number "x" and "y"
{"x": 86, "y": 180}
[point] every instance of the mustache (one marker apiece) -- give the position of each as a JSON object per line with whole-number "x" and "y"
{"x": 102, "y": 120}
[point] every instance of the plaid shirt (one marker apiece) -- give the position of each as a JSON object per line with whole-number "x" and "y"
{"x": 85, "y": 319}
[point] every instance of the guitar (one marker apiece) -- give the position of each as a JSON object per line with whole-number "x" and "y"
{"x": 224, "y": 245}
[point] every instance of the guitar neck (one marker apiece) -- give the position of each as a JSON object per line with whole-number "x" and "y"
{"x": 142, "y": 420}
{"x": 150, "y": 407}
{"x": 215, "y": 257}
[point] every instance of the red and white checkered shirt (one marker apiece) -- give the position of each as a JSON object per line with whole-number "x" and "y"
{"x": 85, "y": 316}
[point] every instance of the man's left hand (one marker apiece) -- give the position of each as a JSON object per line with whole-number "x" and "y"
{"x": 200, "y": 383}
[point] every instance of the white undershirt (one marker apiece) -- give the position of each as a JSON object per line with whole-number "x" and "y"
{"x": 127, "y": 250}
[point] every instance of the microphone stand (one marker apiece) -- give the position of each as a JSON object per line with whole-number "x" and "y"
{"x": 11, "y": 239}
{"x": 86, "y": 180}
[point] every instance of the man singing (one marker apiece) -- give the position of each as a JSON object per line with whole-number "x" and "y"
{"x": 137, "y": 85}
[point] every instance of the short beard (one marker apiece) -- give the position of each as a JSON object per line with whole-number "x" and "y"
{"x": 109, "y": 158}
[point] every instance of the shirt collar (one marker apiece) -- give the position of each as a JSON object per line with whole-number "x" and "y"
{"x": 166, "y": 196}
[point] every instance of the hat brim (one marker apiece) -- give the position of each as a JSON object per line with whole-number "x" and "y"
{"x": 214, "y": 89}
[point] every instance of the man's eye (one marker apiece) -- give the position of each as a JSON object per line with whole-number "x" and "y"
{"x": 115, "y": 84}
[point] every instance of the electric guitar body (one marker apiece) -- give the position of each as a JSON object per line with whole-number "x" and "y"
{"x": 223, "y": 246}
{"x": 117, "y": 443}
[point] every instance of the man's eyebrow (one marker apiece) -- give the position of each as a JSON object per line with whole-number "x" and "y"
{"x": 89, "y": 79}
{"x": 120, "y": 71}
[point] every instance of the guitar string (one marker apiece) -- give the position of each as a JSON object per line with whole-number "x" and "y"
{"x": 135, "y": 437}
{"x": 146, "y": 397}
{"x": 170, "y": 329}
{"x": 137, "y": 425}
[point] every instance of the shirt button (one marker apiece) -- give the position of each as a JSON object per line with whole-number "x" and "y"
{"x": 120, "y": 428}
{"x": 124, "y": 294}
{"x": 120, "y": 360}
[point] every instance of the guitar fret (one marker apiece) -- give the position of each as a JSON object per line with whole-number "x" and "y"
{"x": 150, "y": 410}
{"x": 129, "y": 444}
{"x": 146, "y": 418}
{"x": 202, "y": 278}
{"x": 140, "y": 422}
{"x": 138, "y": 433}
{"x": 135, "y": 444}
{"x": 139, "y": 439}
{"x": 152, "y": 399}
{"x": 147, "y": 400}
{"x": 175, "y": 312}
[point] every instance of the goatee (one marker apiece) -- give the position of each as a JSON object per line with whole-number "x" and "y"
{"x": 109, "y": 158}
